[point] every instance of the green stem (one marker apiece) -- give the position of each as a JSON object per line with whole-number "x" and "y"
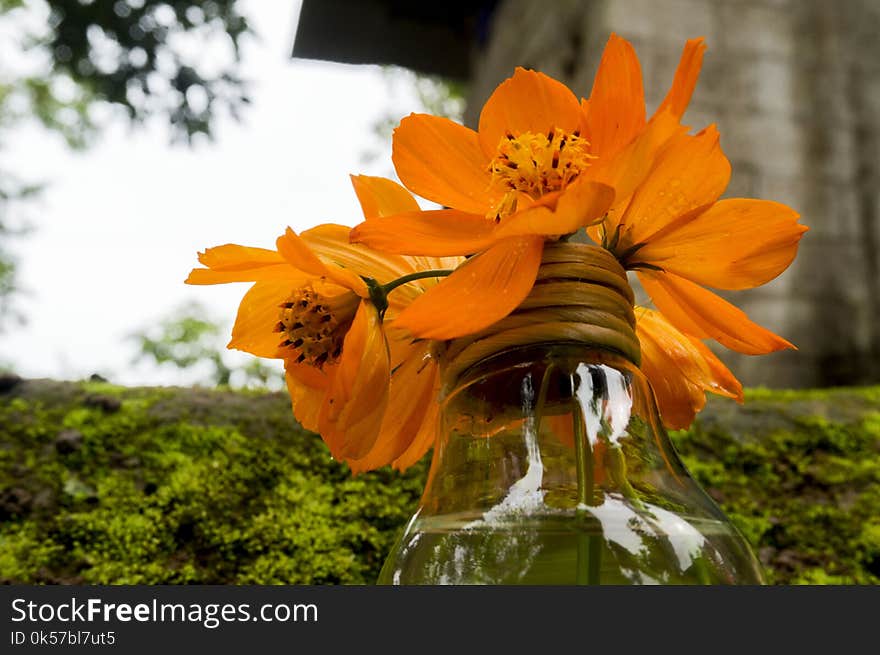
{"x": 419, "y": 275}
{"x": 583, "y": 454}
{"x": 542, "y": 396}
{"x": 589, "y": 546}
{"x": 617, "y": 470}
{"x": 379, "y": 292}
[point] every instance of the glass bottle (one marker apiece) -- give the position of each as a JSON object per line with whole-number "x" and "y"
{"x": 552, "y": 467}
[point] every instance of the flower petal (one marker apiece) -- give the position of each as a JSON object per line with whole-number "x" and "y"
{"x": 685, "y": 80}
{"x": 306, "y": 397}
{"x": 332, "y": 245}
{"x": 692, "y": 171}
{"x": 442, "y": 161}
{"x": 527, "y": 102}
{"x": 426, "y": 435}
{"x": 680, "y": 369}
{"x": 735, "y": 244}
{"x": 352, "y": 412}
{"x": 234, "y": 263}
{"x": 438, "y": 233}
{"x": 702, "y": 314}
{"x": 410, "y": 396}
{"x": 580, "y": 203}
{"x": 380, "y": 196}
{"x": 678, "y": 397}
{"x": 724, "y": 382}
{"x": 258, "y": 314}
{"x": 617, "y": 101}
{"x": 626, "y": 169}
{"x": 298, "y": 254}
{"x": 484, "y": 289}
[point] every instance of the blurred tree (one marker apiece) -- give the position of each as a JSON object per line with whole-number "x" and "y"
{"x": 149, "y": 57}
{"x": 190, "y": 340}
{"x": 66, "y": 60}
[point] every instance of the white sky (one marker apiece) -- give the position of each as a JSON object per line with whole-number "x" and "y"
{"x": 118, "y": 228}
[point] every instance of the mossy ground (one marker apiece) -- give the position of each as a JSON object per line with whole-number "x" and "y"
{"x": 103, "y": 484}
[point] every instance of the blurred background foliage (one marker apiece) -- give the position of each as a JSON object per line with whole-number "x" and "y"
{"x": 80, "y": 59}
{"x": 188, "y": 338}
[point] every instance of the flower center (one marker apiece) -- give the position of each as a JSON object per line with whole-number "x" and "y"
{"x": 314, "y": 326}
{"x": 536, "y": 164}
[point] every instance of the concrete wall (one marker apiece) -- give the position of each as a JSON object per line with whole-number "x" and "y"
{"x": 794, "y": 87}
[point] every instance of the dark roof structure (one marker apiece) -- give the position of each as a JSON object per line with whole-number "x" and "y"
{"x": 435, "y": 38}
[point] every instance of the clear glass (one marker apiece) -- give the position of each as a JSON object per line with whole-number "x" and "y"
{"x": 552, "y": 467}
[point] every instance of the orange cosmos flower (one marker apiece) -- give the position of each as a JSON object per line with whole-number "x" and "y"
{"x": 681, "y": 370}
{"x": 311, "y": 306}
{"x": 541, "y": 165}
{"x": 677, "y": 235}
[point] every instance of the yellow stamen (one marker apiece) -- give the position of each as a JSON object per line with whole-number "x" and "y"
{"x": 536, "y": 164}
{"x": 314, "y": 326}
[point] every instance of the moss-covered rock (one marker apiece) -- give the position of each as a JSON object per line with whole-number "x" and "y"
{"x": 799, "y": 472}
{"x": 103, "y": 484}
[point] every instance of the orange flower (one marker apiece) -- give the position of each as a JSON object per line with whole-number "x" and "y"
{"x": 677, "y": 235}
{"x": 318, "y": 317}
{"x": 411, "y": 418}
{"x": 541, "y": 165}
{"x": 681, "y": 370}
{"x": 311, "y": 306}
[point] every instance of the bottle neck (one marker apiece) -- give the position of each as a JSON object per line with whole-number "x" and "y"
{"x": 547, "y": 428}
{"x": 581, "y": 297}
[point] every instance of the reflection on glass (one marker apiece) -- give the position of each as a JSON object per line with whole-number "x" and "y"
{"x": 552, "y": 467}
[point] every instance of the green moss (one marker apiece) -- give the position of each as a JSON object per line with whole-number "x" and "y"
{"x": 176, "y": 486}
{"x": 806, "y": 490}
{"x": 103, "y": 484}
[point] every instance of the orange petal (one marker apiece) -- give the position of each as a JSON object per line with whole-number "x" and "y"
{"x": 693, "y": 360}
{"x": 702, "y": 314}
{"x": 380, "y": 196}
{"x": 685, "y": 79}
{"x": 352, "y": 412}
{"x": 723, "y": 380}
{"x": 585, "y": 115}
{"x": 306, "y": 399}
{"x": 438, "y": 233}
{"x": 484, "y": 289}
{"x": 617, "y": 101}
{"x": 692, "y": 171}
{"x": 735, "y": 244}
{"x": 527, "y": 102}
{"x": 426, "y": 435}
{"x": 626, "y": 169}
{"x": 411, "y": 393}
{"x": 307, "y": 375}
{"x": 431, "y": 264}
{"x": 678, "y": 398}
{"x": 580, "y": 204}
{"x": 298, "y": 254}
{"x": 332, "y": 244}
{"x": 234, "y": 263}
{"x": 258, "y": 314}
{"x": 441, "y": 160}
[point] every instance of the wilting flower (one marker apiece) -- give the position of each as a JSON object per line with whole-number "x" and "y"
{"x": 318, "y": 317}
{"x": 678, "y": 236}
{"x": 681, "y": 370}
{"x": 541, "y": 165}
{"x": 411, "y": 418}
{"x": 363, "y": 387}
